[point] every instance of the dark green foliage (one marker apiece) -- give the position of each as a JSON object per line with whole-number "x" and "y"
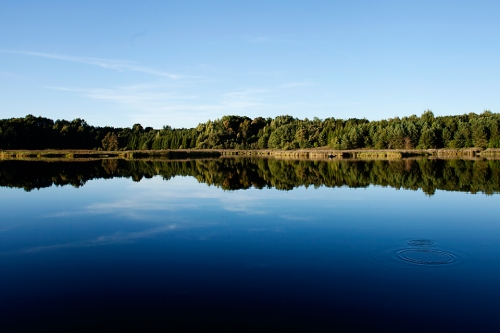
{"x": 282, "y": 132}
{"x": 283, "y": 137}
{"x": 110, "y": 141}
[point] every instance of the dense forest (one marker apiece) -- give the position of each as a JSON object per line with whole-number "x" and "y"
{"x": 238, "y": 132}
{"x": 243, "y": 173}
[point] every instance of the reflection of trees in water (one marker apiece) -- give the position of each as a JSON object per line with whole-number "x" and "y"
{"x": 242, "y": 173}
{"x": 110, "y": 166}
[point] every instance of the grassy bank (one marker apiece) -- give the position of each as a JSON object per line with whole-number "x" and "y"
{"x": 89, "y": 154}
{"x": 317, "y": 153}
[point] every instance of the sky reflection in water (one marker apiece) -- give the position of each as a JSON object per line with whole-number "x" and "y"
{"x": 178, "y": 253}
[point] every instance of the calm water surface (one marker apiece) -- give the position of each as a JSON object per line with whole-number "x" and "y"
{"x": 171, "y": 252}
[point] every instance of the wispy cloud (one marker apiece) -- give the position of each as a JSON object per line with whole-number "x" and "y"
{"x": 154, "y": 98}
{"x": 131, "y": 205}
{"x": 151, "y": 200}
{"x": 132, "y": 95}
{"x": 247, "y": 202}
{"x": 160, "y": 102}
{"x": 119, "y": 65}
{"x": 115, "y": 238}
{"x": 132, "y": 209}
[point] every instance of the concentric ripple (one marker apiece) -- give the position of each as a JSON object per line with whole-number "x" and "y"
{"x": 419, "y": 252}
{"x": 422, "y": 243}
{"x": 426, "y": 256}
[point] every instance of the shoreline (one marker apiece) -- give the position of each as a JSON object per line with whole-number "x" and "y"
{"x": 316, "y": 153}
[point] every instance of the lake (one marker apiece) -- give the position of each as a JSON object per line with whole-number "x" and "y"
{"x": 248, "y": 244}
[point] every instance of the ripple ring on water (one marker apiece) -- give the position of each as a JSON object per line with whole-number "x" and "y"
{"x": 426, "y": 256}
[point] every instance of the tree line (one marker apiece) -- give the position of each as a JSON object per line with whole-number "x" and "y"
{"x": 240, "y": 132}
{"x": 428, "y": 175}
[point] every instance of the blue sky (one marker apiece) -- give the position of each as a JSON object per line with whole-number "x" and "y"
{"x": 180, "y": 63}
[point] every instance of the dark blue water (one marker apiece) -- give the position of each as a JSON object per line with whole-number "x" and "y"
{"x": 179, "y": 255}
